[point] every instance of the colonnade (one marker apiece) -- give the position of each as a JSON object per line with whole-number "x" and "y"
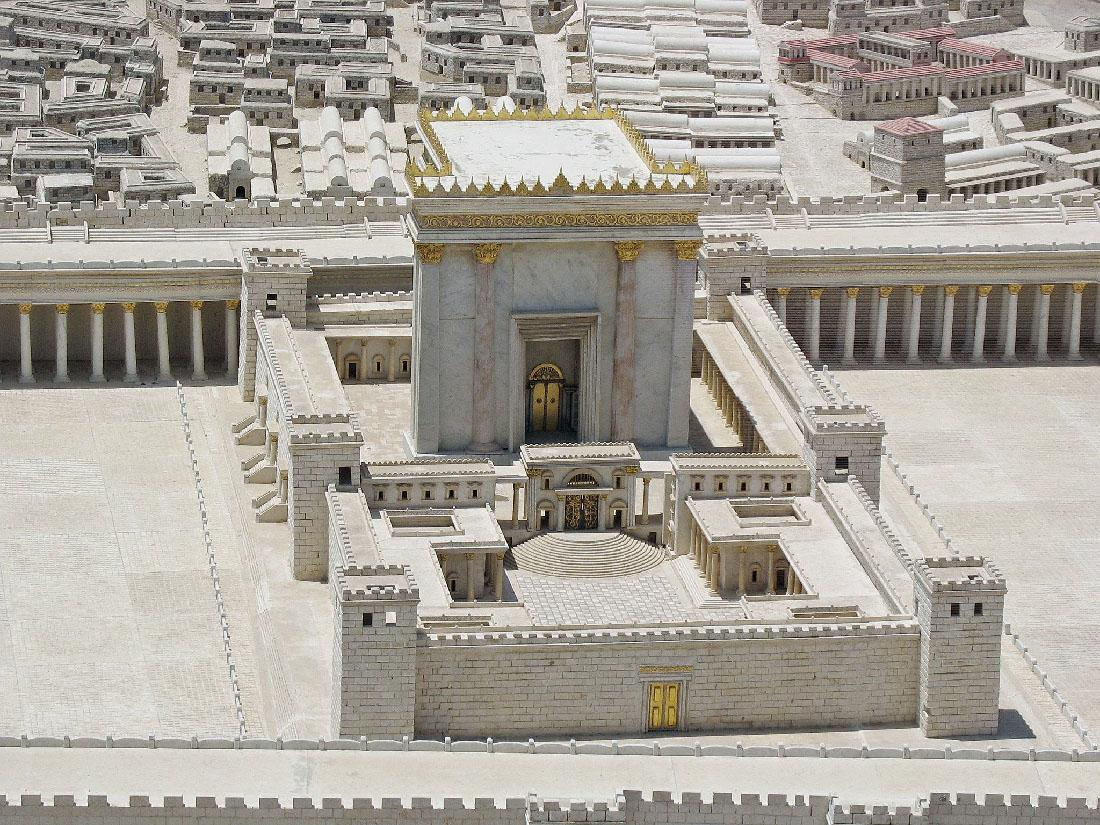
{"x": 734, "y": 413}
{"x": 711, "y": 561}
{"x": 961, "y": 327}
{"x": 478, "y": 567}
{"x": 96, "y": 310}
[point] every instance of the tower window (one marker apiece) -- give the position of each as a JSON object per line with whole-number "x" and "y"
{"x": 954, "y": 608}
{"x": 842, "y": 465}
{"x": 979, "y": 609}
{"x": 344, "y": 476}
{"x": 368, "y": 619}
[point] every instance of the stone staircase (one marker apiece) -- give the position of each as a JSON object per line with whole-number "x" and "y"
{"x": 586, "y": 555}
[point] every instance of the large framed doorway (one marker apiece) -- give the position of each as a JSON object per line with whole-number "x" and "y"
{"x": 663, "y": 706}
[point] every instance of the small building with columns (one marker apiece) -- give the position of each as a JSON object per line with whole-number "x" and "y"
{"x": 536, "y": 272}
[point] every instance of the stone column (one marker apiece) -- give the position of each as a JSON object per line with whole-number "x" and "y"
{"x": 742, "y": 569}
{"x": 971, "y": 315}
{"x": 880, "y": 323}
{"x": 815, "y": 324}
{"x": 1073, "y": 345}
{"x": 232, "y": 336}
{"x": 977, "y": 354}
{"x": 1012, "y": 299}
{"x": 947, "y": 330}
{"x": 284, "y": 486}
{"x": 712, "y": 567}
{"x": 198, "y": 359}
{"x": 131, "y": 342}
{"x": 790, "y": 580}
{"x": 601, "y": 513}
{"x": 26, "y": 365}
{"x": 1042, "y": 322}
{"x": 272, "y": 447}
{"x": 61, "y": 334}
{"x": 645, "y": 499}
{"x": 781, "y": 303}
{"x": 483, "y": 431}
{"x": 912, "y": 353}
{"x": 622, "y": 381}
{"x": 559, "y": 519}
{"x": 515, "y": 504}
{"x": 679, "y": 379}
{"x": 164, "y": 367}
{"x": 771, "y": 570}
{"x": 850, "y": 326}
{"x": 471, "y": 572}
{"x": 97, "y": 343}
{"x": 1096, "y": 317}
{"x": 498, "y": 577}
{"x": 391, "y": 359}
{"x": 426, "y": 412}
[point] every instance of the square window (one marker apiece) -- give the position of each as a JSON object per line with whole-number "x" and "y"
{"x": 721, "y": 486}
{"x": 368, "y": 619}
{"x": 473, "y": 492}
{"x": 788, "y": 487}
{"x": 767, "y": 486}
{"x": 842, "y": 465}
{"x": 954, "y": 608}
{"x": 450, "y": 494}
{"x": 404, "y": 495}
{"x": 391, "y": 618}
{"x": 381, "y": 495}
{"x": 744, "y": 488}
{"x": 344, "y": 476}
{"x": 698, "y": 486}
{"x": 427, "y": 495}
{"x": 979, "y": 609}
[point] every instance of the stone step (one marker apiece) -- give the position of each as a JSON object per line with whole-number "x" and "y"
{"x": 586, "y": 555}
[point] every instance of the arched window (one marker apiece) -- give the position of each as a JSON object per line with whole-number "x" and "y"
{"x": 582, "y": 480}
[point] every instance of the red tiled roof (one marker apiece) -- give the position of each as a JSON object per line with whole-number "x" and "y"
{"x": 823, "y": 43}
{"x": 987, "y": 68}
{"x": 905, "y": 126}
{"x": 898, "y": 74}
{"x": 970, "y": 47}
{"x": 837, "y": 60}
{"x": 930, "y": 34}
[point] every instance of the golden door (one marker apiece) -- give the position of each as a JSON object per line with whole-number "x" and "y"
{"x": 664, "y": 705}
{"x": 553, "y": 404}
{"x": 544, "y": 387}
{"x": 538, "y": 406}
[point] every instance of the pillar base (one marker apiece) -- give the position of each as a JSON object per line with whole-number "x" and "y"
{"x": 1075, "y": 357}
{"x": 1042, "y": 356}
{"x": 1009, "y": 359}
{"x": 912, "y": 359}
{"x": 26, "y": 379}
{"x": 97, "y": 379}
{"x": 198, "y": 376}
{"x": 977, "y": 359}
{"x": 945, "y": 360}
{"x": 848, "y": 362}
{"x": 61, "y": 379}
{"x": 131, "y": 379}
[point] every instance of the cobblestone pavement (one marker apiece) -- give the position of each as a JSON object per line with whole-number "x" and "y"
{"x": 107, "y": 615}
{"x": 385, "y": 414}
{"x": 1008, "y": 458}
{"x": 653, "y": 596}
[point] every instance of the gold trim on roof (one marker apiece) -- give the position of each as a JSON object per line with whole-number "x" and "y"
{"x": 441, "y": 167}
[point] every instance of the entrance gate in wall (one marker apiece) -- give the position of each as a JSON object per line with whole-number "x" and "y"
{"x": 581, "y": 512}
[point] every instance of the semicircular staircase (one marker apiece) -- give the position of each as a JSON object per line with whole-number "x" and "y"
{"x": 586, "y": 555}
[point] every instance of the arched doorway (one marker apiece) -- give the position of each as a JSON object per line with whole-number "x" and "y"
{"x": 544, "y": 395}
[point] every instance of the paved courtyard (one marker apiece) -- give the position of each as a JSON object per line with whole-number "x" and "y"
{"x": 108, "y": 622}
{"x": 1008, "y": 460}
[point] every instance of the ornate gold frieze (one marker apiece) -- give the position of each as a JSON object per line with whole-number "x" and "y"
{"x": 555, "y": 221}
{"x": 666, "y": 669}
{"x": 687, "y": 250}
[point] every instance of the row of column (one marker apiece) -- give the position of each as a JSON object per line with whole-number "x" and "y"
{"x": 518, "y": 486}
{"x": 61, "y": 331}
{"x": 708, "y": 560}
{"x": 944, "y": 324}
{"x": 733, "y": 411}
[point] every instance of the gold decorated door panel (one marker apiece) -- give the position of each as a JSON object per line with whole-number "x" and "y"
{"x": 544, "y": 391}
{"x": 538, "y": 406}
{"x": 663, "y": 706}
{"x": 553, "y": 407}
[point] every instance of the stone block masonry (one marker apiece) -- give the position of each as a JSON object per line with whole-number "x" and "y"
{"x": 596, "y": 683}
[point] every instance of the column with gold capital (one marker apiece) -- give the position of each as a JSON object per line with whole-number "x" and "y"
{"x": 852, "y": 294}
{"x": 782, "y": 294}
{"x": 426, "y": 353}
{"x": 26, "y": 364}
{"x": 947, "y": 328}
{"x": 815, "y": 323}
{"x": 977, "y": 354}
{"x": 483, "y": 430}
{"x": 912, "y": 353}
{"x": 97, "y": 343}
{"x": 1042, "y": 322}
{"x": 198, "y": 358}
{"x": 131, "y": 341}
{"x": 61, "y": 330}
{"x": 683, "y": 297}
{"x": 1073, "y": 336}
{"x": 1012, "y": 299}
{"x": 622, "y": 380}
{"x": 879, "y": 354}
{"x": 164, "y": 368}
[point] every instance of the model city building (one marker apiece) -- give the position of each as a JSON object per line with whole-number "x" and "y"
{"x": 482, "y": 369}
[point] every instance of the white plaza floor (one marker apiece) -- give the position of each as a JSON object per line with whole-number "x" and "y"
{"x": 108, "y": 622}
{"x": 1008, "y": 461}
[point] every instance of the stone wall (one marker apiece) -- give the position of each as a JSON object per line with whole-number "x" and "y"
{"x": 738, "y": 677}
{"x": 631, "y": 807}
